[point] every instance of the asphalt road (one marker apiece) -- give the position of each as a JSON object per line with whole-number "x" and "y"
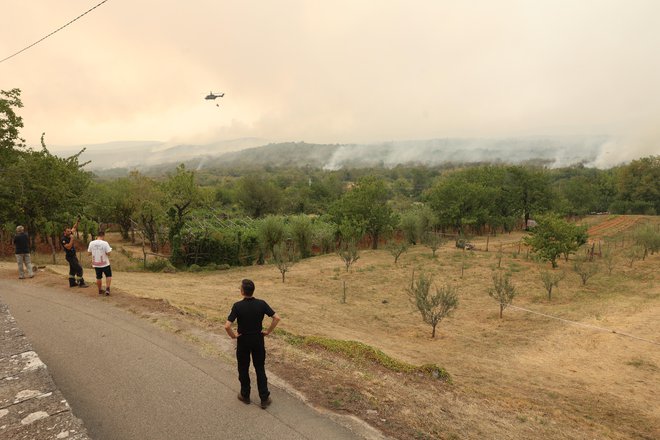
{"x": 127, "y": 379}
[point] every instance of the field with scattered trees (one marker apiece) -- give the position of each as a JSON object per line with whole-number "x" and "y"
{"x": 454, "y": 301}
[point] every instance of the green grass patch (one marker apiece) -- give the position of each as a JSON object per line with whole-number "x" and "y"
{"x": 359, "y": 352}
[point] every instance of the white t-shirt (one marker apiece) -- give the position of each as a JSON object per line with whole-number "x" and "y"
{"x": 99, "y": 250}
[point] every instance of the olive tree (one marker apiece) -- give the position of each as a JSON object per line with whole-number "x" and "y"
{"x": 503, "y": 291}
{"x": 433, "y": 307}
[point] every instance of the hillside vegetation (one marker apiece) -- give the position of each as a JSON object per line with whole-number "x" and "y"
{"x": 584, "y": 364}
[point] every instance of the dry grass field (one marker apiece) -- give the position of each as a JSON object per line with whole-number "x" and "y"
{"x": 588, "y": 369}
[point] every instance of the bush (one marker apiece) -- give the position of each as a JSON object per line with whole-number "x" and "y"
{"x": 161, "y": 266}
{"x": 231, "y": 246}
{"x": 195, "y": 268}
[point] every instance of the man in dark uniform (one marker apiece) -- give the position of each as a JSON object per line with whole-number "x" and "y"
{"x": 250, "y": 313}
{"x": 75, "y": 269}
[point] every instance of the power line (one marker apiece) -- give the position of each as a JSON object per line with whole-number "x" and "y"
{"x": 55, "y": 31}
{"x": 587, "y": 325}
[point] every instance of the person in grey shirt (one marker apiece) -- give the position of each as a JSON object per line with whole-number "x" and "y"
{"x": 22, "y": 245}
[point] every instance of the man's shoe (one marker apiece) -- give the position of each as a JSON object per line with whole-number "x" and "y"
{"x": 266, "y": 402}
{"x": 107, "y": 291}
{"x": 100, "y": 292}
{"x": 83, "y": 285}
{"x": 245, "y": 400}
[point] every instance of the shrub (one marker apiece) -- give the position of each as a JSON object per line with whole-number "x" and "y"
{"x": 160, "y": 266}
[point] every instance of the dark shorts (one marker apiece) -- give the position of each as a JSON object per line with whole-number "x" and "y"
{"x": 103, "y": 270}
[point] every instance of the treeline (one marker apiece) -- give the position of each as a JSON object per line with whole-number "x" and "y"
{"x": 193, "y": 214}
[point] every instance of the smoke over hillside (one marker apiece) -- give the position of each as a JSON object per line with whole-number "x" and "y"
{"x": 595, "y": 151}
{"x": 556, "y": 152}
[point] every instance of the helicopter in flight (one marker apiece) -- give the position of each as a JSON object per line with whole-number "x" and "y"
{"x": 212, "y": 95}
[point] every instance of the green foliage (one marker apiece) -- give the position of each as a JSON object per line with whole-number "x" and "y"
{"x": 648, "y": 237}
{"x": 37, "y": 187}
{"x": 362, "y": 353}
{"x": 349, "y": 253}
{"x": 366, "y": 204}
{"x": 10, "y": 124}
{"x": 397, "y": 249}
{"x": 195, "y": 268}
{"x": 503, "y": 291}
{"x": 553, "y": 237}
{"x": 585, "y": 268}
{"x": 150, "y": 215}
{"x": 302, "y": 231}
{"x": 284, "y": 257}
{"x": 434, "y": 307}
{"x": 271, "y": 230}
{"x": 205, "y": 242}
{"x": 411, "y": 227}
{"x": 433, "y": 240}
{"x": 634, "y": 253}
{"x": 181, "y": 195}
{"x": 324, "y": 236}
{"x": 551, "y": 279}
{"x": 639, "y": 187}
{"x": 160, "y": 265}
{"x": 497, "y": 197}
{"x": 258, "y": 196}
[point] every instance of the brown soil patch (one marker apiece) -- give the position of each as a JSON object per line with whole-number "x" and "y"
{"x": 525, "y": 376}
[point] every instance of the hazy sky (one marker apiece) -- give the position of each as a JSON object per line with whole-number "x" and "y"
{"x": 335, "y": 71}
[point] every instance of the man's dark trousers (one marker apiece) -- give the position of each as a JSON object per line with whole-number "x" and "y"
{"x": 75, "y": 269}
{"x": 246, "y": 346}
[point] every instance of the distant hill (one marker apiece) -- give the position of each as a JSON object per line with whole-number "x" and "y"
{"x": 253, "y": 152}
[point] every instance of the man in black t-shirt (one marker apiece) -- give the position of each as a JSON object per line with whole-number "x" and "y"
{"x": 75, "y": 269}
{"x": 250, "y": 313}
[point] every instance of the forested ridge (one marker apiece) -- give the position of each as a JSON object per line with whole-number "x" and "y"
{"x": 221, "y": 209}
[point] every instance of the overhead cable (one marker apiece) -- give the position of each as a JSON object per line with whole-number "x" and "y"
{"x": 55, "y": 31}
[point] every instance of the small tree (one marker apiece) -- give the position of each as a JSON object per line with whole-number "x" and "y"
{"x": 433, "y": 240}
{"x": 551, "y": 279}
{"x": 584, "y": 268}
{"x": 323, "y": 236}
{"x": 396, "y": 249}
{"x": 608, "y": 259}
{"x": 302, "y": 232}
{"x": 270, "y": 231}
{"x": 349, "y": 253}
{"x": 409, "y": 224}
{"x": 648, "y": 238}
{"x": 433, "y": 307}
{"x": 502, "y": 291}
{"x": 499, "y": 256}
{"x": 285, "y": 257}
{"x": 635, "y": 252}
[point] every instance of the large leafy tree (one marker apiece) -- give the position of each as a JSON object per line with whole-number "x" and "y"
{"x": 553, "y": 237}
{"x": 182, "y": 195}
{"x": 366, "y": 204}
{"x": 639, "y": 186}
{"x": 150, "y": 213}
{"x": 37, "y": 189}
{"x": 468, "y": 199}
{"x": 10, "y": 124}
{"x": 531, "y": 190}
{"x": 258, "y": 196}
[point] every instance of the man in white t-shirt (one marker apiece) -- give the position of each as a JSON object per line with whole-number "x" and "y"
{"x": 99, "y": 250}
